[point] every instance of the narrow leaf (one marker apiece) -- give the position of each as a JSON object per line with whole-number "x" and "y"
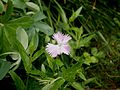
{"x": 1, "y": 7}
{"x": 18, "y": 81}
{"x": 8, "y": 12}
{"x": 55, "y": 84}
{"x": 24, "y": 56}
{"x": 77, "y": 86}
{"x": 70, "y": 73}
{"x": 37, "y": 54}
{"x": 61, "y": 11}
{"x": 33, "y": 43}
{"x": 75, "y": 15}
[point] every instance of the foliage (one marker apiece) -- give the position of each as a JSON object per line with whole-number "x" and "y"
{"x": 26, "y": 27}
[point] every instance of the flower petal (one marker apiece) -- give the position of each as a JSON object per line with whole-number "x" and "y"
{"x": 58, "y": 37}
{"x": 61, "y": 38}
{"x": 53, "y": 50}
{"x": 65, "y": 49}
{"x": 66, "y": 39}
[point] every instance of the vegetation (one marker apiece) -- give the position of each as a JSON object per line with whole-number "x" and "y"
{"x": 28, "y": 26}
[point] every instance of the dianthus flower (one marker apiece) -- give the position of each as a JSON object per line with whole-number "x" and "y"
{"x": 62, "y": 45}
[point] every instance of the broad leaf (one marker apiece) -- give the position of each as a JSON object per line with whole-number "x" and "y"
{"x": 43, "y": 27}
{"x": 5, "y": 45}
{"x": 24, "y": 22}
{"x": 94, "y": 51}
{"x": 4, "y": 68}
{"x": 89, "y": 59}
{"x": 38, "y": 16}
{"x": 33, "y": 6}
{"x": 19, "y": 4}
{"x": 22, "y": 37}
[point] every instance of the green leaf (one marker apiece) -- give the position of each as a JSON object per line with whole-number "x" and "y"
{"x": 50, "y": 61}
{"x": 94, "y": 51}
{"x": 93, "y": 59}
{"x": 24, "y": 22}
{"x": 55, "y": 84}
{"x": 102, "y": 37}
{"x": 33, "y": 84}
{"x": 82, "y": 76}
{"x": 89, "y": 59}
{"x": 5, "y": 1}
{"x": 19, "y": 4}
{"x": 43, "y": 68}
{"x": 38, "y": 72}
{"x": 89, "y": 80}
{"x": 24, "y": 56}
{"x": 22, "y": 37}
{"x": 70, "y": 73}
{"x": 10, "y": 34}
{"x": 1, "y": 7}
{"x": 8, "y": 12}
{"x": 59, "y": 62}
{"x": 38, "y": 16}
{"x": 5, "y": 45}
{"x": 9, "y": 31}
{"x": 33, "y": 43}
{"x": 43, "y": 27}
{"x": 75, "y": 15}
{"x": 78, "y": 32}
{"x": 18, "y": 81}
{"x": 85, "y": 42}
{"x": 86, "y": 54}
{"x": 7, "y": 53}
{"x": 33, "y": 6}
{"x": 61, "y": 12}
{"x": 100, "y": 54}
{"x": 4, "y": 68}
{"x": 37, "y": 54}
{"x": 77, "y": 86}
{"x": 15, "y": 56}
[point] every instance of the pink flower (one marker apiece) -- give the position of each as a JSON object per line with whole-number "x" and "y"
{"x": 61, "y": 47}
